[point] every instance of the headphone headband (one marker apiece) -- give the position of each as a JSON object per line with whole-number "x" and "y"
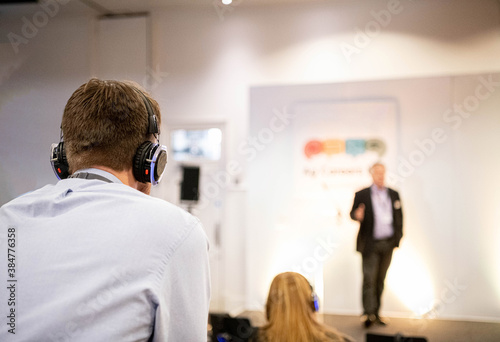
{"x": 152, "y": 119}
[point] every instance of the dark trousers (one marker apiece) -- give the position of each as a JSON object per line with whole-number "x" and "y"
{"x": 375, "y": 266}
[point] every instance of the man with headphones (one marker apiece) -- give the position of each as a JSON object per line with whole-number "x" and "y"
{"x": 94, "y": 257}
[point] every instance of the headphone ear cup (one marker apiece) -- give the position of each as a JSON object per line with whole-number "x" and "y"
{"x": 159, "y": 163}
{"x": 150, "y": 161}
{"x": 141, "y": 165}
{"x": 58, "y": 161}
{"x": 315, "y": 302}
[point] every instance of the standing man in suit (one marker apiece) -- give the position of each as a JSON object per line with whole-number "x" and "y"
{"x": 378, "y": 210}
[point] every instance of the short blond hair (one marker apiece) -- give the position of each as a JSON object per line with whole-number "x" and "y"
{"x": 375, "y": 165}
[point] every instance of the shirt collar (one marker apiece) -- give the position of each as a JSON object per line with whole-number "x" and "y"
{"x": 101, "y": 173}
{"x": 377, "y": 189}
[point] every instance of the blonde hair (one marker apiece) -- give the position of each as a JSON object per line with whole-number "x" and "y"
{"x": 290, "y": 313}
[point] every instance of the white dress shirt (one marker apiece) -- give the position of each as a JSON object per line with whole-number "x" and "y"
{"x": 99, "y": 261}
{"x": 382, "y": 211}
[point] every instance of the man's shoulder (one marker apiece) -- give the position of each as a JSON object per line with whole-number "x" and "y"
{"x": 161, "y": 205}
{"x": 363, "y": 191}
{"x": 392, "y": 191}
{"x": 27, "y": 197}
{"x": 160, "y": 214}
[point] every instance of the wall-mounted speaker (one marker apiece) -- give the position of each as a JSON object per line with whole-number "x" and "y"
{"x": 190, "y": 183}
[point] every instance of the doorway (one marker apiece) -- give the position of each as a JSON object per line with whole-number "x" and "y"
{"x": 195, "y": 159}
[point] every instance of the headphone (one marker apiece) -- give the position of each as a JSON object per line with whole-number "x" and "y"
{"x": 149, "y": 160}
{"x": 314, "y": 300}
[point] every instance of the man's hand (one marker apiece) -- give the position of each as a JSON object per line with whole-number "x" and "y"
{"x": 359, "y": 213}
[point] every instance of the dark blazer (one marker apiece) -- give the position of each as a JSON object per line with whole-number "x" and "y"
{"x": 364, "y": 242}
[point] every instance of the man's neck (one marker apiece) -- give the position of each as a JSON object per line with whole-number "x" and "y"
{"x": 376, "y": 187}
{"x": 127, "y": 178}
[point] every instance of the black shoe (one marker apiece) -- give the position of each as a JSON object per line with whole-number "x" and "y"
{"x": 368, "y": 320}
{"x": 380, "y": 321}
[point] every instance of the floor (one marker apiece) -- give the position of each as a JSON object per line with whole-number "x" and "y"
{"x": 433, "y": 330}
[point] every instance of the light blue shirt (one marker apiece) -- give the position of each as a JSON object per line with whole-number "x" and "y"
{"x": 98, "y": 261}
{"x": 382, "y": 212}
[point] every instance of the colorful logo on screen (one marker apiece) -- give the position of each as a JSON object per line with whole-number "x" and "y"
{"x": 353, "y": 147}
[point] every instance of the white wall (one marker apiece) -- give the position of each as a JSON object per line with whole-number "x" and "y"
{"x": 205, "y": 60}
{"x": 447, "y": 154}
{"x": 35, "y": 82}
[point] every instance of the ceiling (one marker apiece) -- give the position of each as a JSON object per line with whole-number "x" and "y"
{"x": 102, "y": 7}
